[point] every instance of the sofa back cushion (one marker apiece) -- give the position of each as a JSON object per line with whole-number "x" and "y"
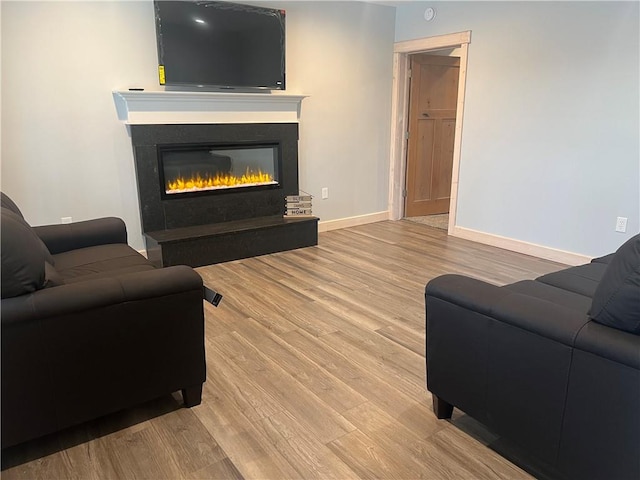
{"x": 23, "y": 256}
{"x": 616, "y": 301}
{"x": 6, "y": 202}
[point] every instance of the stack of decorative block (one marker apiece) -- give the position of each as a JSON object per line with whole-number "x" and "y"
{"x": 298, "y": 205}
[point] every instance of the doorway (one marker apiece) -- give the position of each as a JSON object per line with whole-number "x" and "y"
{"x": 433, "y": 94}
{"x": 404, "y": 52}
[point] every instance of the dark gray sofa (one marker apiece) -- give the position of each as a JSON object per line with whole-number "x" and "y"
{"x": 551, "y": 364}
{"x": 89, "y": 326}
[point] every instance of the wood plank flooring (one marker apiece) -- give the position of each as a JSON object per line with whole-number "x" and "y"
{"x": 315, "y": 364}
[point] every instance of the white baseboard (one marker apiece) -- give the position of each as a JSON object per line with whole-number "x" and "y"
{"x": 548, "y": 253}
{"x": 352, "y": 221}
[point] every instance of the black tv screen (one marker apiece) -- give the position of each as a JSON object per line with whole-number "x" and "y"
{"x": 220, "y": 44}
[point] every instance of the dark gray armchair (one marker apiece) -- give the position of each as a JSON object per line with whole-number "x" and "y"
{"x": 89, "y": 326}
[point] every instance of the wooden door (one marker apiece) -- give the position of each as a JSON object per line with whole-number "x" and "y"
{"x": 432, "y": 121}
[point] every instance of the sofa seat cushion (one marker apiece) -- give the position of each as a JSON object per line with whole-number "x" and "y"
{"x": 582, "y": 280}
{"x": 549, "y": 293}
{"x": 99, "y": 262}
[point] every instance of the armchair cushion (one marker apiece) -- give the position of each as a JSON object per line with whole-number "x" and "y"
{"x": 100, "y": 261}
{"x": 23, "y": 256}
{"x": 616, "y": 301}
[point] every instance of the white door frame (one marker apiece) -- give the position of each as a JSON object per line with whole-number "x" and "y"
{"x": 399, "y": 116}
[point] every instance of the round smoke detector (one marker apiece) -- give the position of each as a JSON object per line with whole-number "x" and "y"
{"x": 429, "y": 14}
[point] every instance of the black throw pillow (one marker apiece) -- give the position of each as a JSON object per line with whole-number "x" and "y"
{"x": 6, "y": 202}
{"x": 22, "y": 255}
{"x": 616, "y": 301}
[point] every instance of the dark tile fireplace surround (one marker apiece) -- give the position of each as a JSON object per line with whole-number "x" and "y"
{"x": 206, "y": 227}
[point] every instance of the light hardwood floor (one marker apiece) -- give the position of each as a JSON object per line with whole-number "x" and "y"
{"x": 315, "y": 364}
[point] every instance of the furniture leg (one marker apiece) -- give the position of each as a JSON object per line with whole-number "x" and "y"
{"x": 441, "y": 408}
{"x": 192, "y": 396}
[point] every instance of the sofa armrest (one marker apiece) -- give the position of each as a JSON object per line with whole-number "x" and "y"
{"x": 100, "y": 231}
{"x": 528, "y": 312}
{"x": 458, "y": 317}
{"x": 464, "y": 291}
{"x": 490, "y": 350}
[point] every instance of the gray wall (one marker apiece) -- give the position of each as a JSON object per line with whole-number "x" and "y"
{"x": 64, "y": 153}
{"x": 550, "y": 151}
{"x": 550, "y": 146}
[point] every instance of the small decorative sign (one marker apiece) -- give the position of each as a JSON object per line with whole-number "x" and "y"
{"x": 298, "y": 205}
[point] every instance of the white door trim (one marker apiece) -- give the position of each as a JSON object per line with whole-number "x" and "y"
{"x": 399, "y": 116}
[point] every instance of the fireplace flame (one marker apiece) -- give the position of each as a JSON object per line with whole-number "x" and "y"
{"x": 200, "y": 182}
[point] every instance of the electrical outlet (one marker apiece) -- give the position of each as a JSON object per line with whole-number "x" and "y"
{"x": 621, "y": 224}
{"x": 66, "y": 220}
{"x": 325, "y": 193}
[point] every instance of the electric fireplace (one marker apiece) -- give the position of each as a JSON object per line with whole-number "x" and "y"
{"x": 198, "y": 169}
{"x": 215, "y": 192}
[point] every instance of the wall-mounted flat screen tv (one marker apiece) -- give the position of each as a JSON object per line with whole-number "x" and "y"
{"x": 220, "y": 44}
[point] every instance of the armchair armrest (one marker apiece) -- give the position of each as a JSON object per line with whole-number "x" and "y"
{"x": 81, "y": 298}
{"x": 90, "y": 348}
{"x": 100, "y": 231}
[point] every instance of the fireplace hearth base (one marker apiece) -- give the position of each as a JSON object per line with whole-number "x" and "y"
{"x": 223, "y": 242}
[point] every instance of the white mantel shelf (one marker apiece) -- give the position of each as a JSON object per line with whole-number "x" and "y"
{"x": 169, "y": 107}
